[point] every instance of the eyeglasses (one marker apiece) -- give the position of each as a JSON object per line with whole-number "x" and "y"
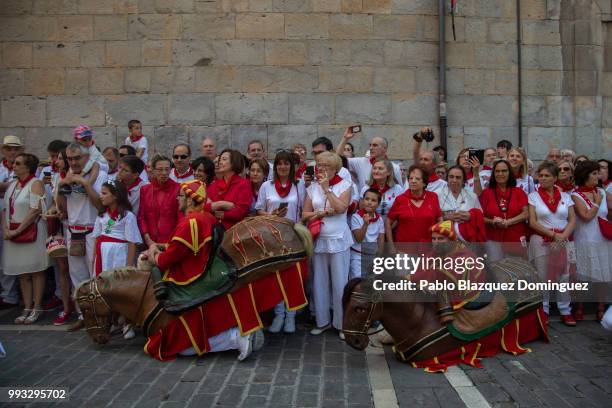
{"x": 180, "y": 156}
{"x": 74, "y": 158}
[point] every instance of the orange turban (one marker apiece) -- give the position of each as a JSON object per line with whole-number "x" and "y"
{"x": 196, "y": 190}
{"x": 445, "y": 228}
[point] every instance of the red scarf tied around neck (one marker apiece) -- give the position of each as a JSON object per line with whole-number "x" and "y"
{"x": 552, "y": 202}
{"x": 375, "y": 218}
{"x": 381, "y": 189}
{"x": 584, "y": 189}
{"x": 565, "y": 187}
{"x": 335, "y": 180}
{"x": 282, "y": 191}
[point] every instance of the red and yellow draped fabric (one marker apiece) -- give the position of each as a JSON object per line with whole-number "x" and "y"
{"x": 529, "y": 327}
{"x": 185, "y": 258}
{"x": 240, "y": 308}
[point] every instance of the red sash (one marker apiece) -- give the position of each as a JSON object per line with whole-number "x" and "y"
{"x": 99, "y": 241}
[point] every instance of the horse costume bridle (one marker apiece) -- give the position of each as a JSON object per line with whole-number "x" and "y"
{"x": 92, "y": 297}
{"x": 374, "y": 299}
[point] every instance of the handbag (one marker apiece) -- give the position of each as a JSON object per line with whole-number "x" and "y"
{"x": 605, "y": 227}
{"x": 28, "y": 235}
{"x": 77, "y": 244}
{"x": 314, "y": 226}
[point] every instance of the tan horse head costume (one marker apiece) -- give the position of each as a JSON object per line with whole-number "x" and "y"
{"x": 423, "y": 340}
{"x": 257, "y": 247}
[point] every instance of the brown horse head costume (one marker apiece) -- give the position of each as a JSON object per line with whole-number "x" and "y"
{"x": 258, "y": 246}
{"x": 413, "y": 321}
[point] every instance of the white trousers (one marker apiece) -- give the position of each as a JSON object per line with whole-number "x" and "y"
{"x": 563, "y": 298}
{"x": 281, "y": 310}
{"x": 8, "y": 284}
{"x": 227, "y": 340}
{"x": 80, "y": 267}
{"x": 355, "y": 271}
{"x": 330, "y": 275}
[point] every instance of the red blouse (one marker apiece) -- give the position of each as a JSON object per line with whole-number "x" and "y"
{"x": 238, "y": 191}
{"x": 413, "y": 223}
{"x": 490, "y": 207}
{"x": 158, "y": 213}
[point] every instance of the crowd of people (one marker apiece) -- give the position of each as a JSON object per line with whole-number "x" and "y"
{"x": 85, "y": 210}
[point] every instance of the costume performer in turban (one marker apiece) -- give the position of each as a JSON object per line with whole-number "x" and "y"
{"x": 454, "y": 262}
{"x": 183, "y": 260}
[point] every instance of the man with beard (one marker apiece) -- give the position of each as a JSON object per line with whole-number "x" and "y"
{"x": 183, "y": 260}
{"x": 450, "y": 261}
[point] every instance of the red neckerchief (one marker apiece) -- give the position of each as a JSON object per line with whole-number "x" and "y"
{"x": 469, "y": 175}
{"x": 335, "y": 180}
{"x": 551, "y": 202}
{"x": 382, "y": 190}
{"x": 282, "y": 191}
{"x": 62, "y": 174}
{"x": 134, "y": 140}
{"x": 519, "y": 174}
{"x": 584, "y": 189}
{"x": 114, "y": 214}
{"x": 8, "y": 165}
{"x": 362, "y": 212}
{"x": 184, "y": 175}
{"x": 503, "y": 198}
{"x": 413, "y": 197}
{"x": 24, "y": 182}
{"x": 433, "y": 177}
{"x": 134, "y": 185}
{"x": 223, "y": 185}
{"x": 487, "y": 168}
{"x": 373, "y": 159}
{"x": 565, "y": 187}
{"x": 299, "y": 171}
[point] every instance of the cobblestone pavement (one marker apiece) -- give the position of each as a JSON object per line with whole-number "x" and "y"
{"x": 573, "y": 370}
{"x": 300, "y": 370}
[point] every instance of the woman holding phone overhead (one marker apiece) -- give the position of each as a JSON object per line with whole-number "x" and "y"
{"x": 282, "y": 196}
{"x": 327, "y": 199}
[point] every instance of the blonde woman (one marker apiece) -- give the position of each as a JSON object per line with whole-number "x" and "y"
{"x": 327, "y": 199}
{"x": 520, "y": 168}
{"x": 383, "y": 180}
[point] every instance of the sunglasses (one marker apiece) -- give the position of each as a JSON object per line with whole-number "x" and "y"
{"x": 180, "y": 156}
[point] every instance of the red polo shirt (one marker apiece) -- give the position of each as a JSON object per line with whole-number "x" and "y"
{"x": 413, "y": 223}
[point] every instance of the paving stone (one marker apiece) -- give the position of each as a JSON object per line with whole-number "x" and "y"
{"x": 231, "y": 395}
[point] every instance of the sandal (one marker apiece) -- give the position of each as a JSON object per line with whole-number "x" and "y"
{"x": 33, "y": 317}
{"x": 24, "y": 315}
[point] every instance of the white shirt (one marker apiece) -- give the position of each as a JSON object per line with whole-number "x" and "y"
{"x": 362, "y": 168}
{"x": 335, "y": 233}
{"x": 268, "y": 199}
{"x": 110, "y": 177}
{"x": 134, "y": 195}
{"x": 372, "y": 232}
{"x": 545, "y": 217}
{"x": 140, "y": 144}
{"x": 182, "y": 178}
{"x": 436, "y": 185}
{"x": 79, "y": 208}
{"x": 526, "y": 183}
{"x": 95, "y": 155}
{"x": 387, "y": 199}
{"x": 465, "y": 202}
{"x": 125, "y": 228}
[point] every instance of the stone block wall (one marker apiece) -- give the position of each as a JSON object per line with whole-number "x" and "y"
{"x": 290, "y": 70}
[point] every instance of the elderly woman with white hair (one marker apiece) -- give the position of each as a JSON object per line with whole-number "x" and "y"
{"x": 327, "y": 200}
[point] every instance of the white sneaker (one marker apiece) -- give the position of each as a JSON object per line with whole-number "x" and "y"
{"x": 245, "y": 346}
{"x": 289, "y": 324}
{"x": 341, "y": 335}
{"x": 320, "y": 330}
{"x": 277, "y": 323}
{"x": 128, "y": 332}
{"x": 258, "y": 340}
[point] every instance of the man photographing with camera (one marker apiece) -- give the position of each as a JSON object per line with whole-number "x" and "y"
{"x": 362, "y": 166}
{"x": 427, "y": 159}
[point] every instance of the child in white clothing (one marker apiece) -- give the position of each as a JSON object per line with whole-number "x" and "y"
{"x": 116, "y": 233}
{"x": 137, "y": 140}
{"x": 367, "y": 227}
